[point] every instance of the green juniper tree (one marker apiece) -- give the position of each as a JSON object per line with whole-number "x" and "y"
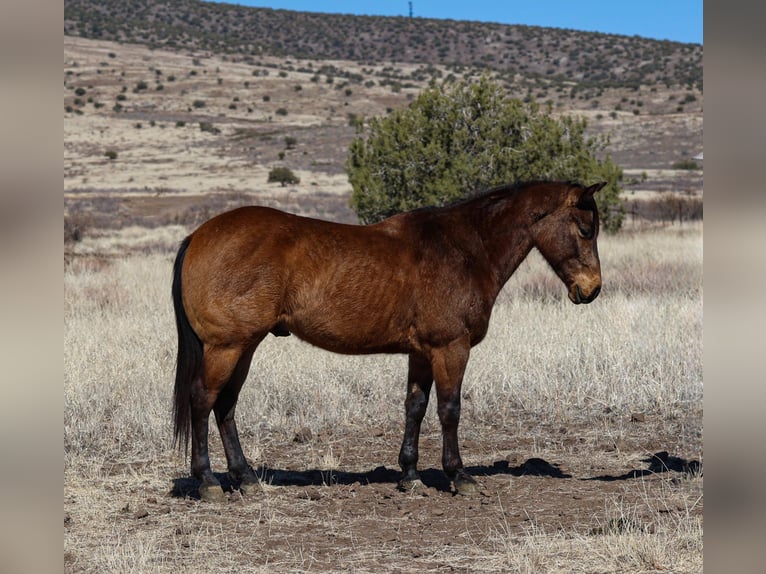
{"x": 283, "y": 176}
{"x": 458, "y": 139}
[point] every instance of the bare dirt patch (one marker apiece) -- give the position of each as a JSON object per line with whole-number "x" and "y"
{"x": 564, "y": 482}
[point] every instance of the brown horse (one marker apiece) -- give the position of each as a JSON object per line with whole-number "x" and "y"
{"x": 422, "y": 283}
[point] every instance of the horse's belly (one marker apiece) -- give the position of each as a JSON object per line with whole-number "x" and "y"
{"x": 348, "y": 332}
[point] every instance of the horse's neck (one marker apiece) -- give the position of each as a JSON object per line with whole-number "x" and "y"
{"x": 506, "y": 235}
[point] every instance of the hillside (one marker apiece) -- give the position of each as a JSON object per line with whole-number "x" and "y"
{"x": 174, "y": 131}
{"x": 554, "y": 55}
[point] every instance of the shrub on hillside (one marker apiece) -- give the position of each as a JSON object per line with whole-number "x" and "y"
{"x": 686, "y": 164}
{"x": 283, "y": 176}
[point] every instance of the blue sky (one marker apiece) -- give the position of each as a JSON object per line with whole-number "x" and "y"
{"x": 677, "y": 20}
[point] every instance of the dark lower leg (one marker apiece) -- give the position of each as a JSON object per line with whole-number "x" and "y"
{"x": 415, "y": 405}
{"x": 449, "y": 415}
{"x": 200, "y": 458}
{"x": 220, "y": 364}
{"x": 448, "y": 366}
{"x": 239, "y": 469}
{"x": 225, "y": 405}
{"x": 418, "y": 390}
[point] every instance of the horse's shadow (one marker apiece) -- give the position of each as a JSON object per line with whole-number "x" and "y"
{"x": 431, "y": 477}
{"x": 659, "y": 462}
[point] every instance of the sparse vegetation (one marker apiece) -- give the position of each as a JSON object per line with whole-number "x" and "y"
{"x": 685, "y": 164}
{"x": 209, "y": 128}
{"x": 74, "y": 229}
{"x": 555, "y": 55}
{"x": 667, "y": 207}
{"x": 283, "y": 176}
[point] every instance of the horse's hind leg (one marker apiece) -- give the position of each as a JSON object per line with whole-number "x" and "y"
{"x": 239, "y": 469}
{"x": 419, "y": 380}
{"x": 219, "y": 363}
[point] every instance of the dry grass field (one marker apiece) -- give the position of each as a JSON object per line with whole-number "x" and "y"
{"x": 582, "y": 424}
{"x": 564, "y": 409}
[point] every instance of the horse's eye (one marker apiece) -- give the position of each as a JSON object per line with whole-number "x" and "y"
{"x": 586, "y": 232}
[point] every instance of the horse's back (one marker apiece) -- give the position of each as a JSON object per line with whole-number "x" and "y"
{"x": 243, "y": 226}
{"x": 331, "y": 284}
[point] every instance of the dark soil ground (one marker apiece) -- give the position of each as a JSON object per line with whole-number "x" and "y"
{"x": 567, "y": 479}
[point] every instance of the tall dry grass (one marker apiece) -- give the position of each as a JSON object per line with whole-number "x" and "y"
{"x": 637, "y": 348}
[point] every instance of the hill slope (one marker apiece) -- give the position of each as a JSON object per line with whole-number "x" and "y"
{"x": 539, "y": 53}
{"x": 176, "y": 111}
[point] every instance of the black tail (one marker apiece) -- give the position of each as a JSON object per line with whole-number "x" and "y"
{"x": 189, "y": 361}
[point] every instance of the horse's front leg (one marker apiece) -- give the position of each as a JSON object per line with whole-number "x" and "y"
{"x": 448, "y": 364}
{"x": 419, "y": 380}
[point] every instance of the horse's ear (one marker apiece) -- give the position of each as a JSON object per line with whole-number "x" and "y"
{"x": 589, "y": 191}
{"x": 579, "y": 195}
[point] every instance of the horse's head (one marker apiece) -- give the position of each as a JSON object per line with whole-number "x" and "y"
{"x": 566, "y": 237}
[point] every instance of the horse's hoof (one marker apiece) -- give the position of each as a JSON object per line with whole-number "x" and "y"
{"x": 250, "y": 487}
{"x": 211, "y": 493}
{"x": 409, "y": 485}
{"x": 465, "y": 484}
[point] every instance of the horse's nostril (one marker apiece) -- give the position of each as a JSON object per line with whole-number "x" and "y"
{"x": 580, "y": 297}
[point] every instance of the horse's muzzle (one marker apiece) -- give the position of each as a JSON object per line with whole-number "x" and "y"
{"x": 577, "y": 296}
